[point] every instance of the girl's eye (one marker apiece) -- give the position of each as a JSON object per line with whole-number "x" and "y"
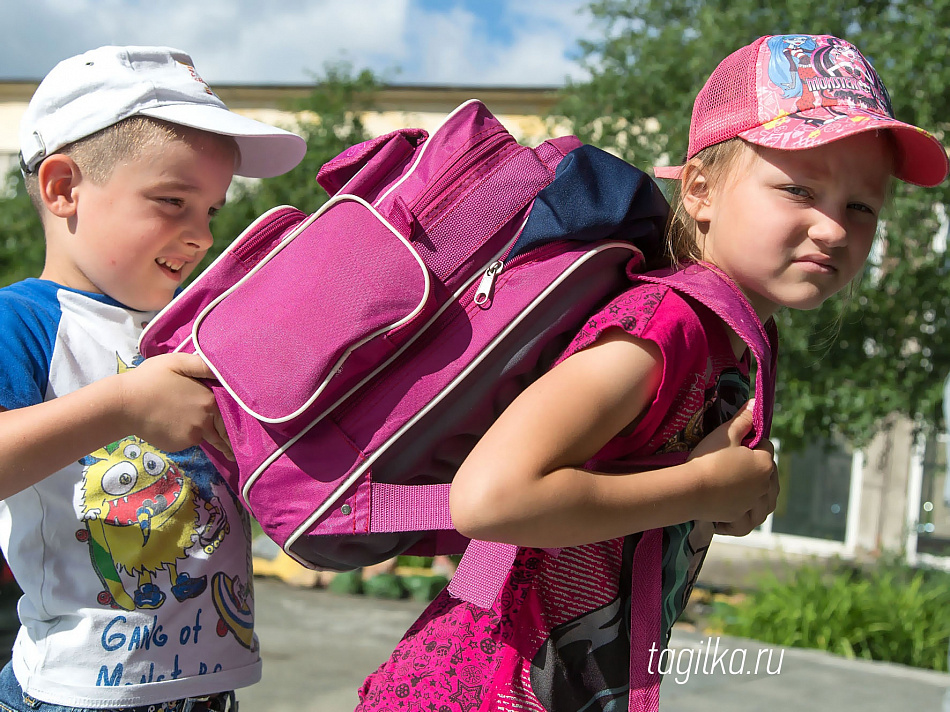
{"x": 861, "y": 207}
{"x": 213, "y": 211}
{"x": 177, "y": 202}
{"x": 796, "y": 190}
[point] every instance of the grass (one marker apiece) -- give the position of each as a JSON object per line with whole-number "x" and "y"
{"x": 889, "y": 612}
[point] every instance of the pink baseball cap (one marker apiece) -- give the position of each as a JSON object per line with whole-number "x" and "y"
{"x": 799, "y": 91}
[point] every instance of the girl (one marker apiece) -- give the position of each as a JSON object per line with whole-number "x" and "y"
{"x": 782, "y": 202}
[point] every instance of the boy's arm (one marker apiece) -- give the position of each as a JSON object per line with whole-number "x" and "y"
{"x": 160, "y": 401}
{"x": 522, "y": 483}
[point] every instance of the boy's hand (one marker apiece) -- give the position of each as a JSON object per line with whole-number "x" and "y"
{"x": 169, "y": 408}
{"x": 738, "y": 486}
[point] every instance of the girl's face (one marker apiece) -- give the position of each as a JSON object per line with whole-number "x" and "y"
{"x": 793, "y": 227}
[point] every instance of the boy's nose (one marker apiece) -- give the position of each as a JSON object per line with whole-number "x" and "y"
{"x": 200, "y": 237}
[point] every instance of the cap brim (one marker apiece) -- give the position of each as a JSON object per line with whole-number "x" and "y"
{"x": 922, "y": 161}
{"x": 266, "y": 150}
{"x": 671, "y": 172}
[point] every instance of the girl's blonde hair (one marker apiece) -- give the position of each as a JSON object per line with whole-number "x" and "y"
{"x": 717, "y": 163}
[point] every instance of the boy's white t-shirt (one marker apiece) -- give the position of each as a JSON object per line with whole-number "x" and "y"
{"x": 135, "y": 563}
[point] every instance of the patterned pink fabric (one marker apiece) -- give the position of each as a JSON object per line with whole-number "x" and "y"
{"x": 558, "y": 636}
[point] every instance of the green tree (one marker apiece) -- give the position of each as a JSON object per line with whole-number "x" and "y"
{"x": 21, "y": 236}
{"x": 329, "y": 119}
{"x": 885, "y": 347}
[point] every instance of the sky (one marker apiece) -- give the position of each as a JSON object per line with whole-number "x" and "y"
{"x": 442, "y": 42}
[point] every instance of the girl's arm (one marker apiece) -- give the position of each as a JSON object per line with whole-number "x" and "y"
{"x": 523, "y": 484}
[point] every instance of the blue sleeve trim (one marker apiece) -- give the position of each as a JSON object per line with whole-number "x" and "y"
{"x": 29, "y": 320}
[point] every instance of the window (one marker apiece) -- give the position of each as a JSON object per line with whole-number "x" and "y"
{"x": 815, "y": 494}
{"x": 932, "y": 523}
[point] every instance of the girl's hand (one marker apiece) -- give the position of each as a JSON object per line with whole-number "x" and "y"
{"x": 738, "y": 487}
{"x": 168, "y": 406}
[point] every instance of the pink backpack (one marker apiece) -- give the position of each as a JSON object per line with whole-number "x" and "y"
{"x": 361, "y": 351}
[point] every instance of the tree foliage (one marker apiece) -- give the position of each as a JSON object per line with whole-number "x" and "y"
{"x": 329, "y": 120}
{"x": 21, "y": 236}
{"x": 881, "y": 349}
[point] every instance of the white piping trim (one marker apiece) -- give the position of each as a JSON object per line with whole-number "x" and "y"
{"x": 245, "y": 490}
{"x": 300, "y": 228}
{"x": 330, "y": 501}
{"x": 415, "y": 161}
{"x": 422, "y": 150}
{"x": 227, "y": 250}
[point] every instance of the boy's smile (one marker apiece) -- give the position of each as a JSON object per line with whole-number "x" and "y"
{"x": 139, "y": 235}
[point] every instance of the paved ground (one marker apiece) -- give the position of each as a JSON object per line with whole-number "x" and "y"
{"x": 318, "y": 647}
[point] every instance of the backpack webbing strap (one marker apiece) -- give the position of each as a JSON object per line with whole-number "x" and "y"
{"x": 646, "y": 606}
{"x": 482, "y": 572}
{"x": 711, "y": 287}
{"x": 409, "y": 508}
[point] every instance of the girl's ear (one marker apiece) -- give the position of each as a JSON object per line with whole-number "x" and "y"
{"x": 696, "y": 192}
{"x": 58, "y": 177}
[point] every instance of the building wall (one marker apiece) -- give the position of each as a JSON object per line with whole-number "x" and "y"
{"x": 882, "y": 510}
{"x": 520, "y": 109}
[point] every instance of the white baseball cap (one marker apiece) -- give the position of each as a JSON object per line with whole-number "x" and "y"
{"x": 91, "y": 91}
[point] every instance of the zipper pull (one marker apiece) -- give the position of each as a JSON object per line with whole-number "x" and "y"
{"x": 488, "y": 281}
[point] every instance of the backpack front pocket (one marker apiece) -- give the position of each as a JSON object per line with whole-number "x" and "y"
{"x": 310, "y": 320}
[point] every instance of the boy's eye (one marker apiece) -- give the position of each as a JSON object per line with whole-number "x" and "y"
{"x": 177, "y": 202}
{"x": 213, "y": 211}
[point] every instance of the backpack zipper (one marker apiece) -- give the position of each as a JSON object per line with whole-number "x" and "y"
{"x": 436, "y": 323}
{"x": 490, "y": 275}
{"x": 470, "y": 158}
{"x": 441, "y": 322}
{"x": 277, "y": 223}
{"x": 488, "y": 282}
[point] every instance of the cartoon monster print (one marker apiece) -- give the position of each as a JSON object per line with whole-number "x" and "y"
{"x": 724, "y": 399}
{"x": 141, "y": 516}
{"x": 720, "y": 403}
{"x": 823, "y": 74}
{"x": 790, "y": 65}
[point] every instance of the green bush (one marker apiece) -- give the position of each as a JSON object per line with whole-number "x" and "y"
{"x": 889, "y": 612}
{"x": 384, "y": 586}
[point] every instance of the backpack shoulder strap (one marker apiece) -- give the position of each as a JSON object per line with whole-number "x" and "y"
{"x": 713, "y": 288}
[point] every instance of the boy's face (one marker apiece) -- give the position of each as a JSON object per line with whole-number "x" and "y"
{"x": 138, "y": 236}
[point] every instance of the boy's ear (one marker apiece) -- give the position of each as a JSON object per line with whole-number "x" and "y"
{"x": 696, "y": 192}
{"x": 58, "y": 178}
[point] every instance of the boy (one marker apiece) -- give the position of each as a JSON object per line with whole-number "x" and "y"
{"x": 133, "y": 557}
